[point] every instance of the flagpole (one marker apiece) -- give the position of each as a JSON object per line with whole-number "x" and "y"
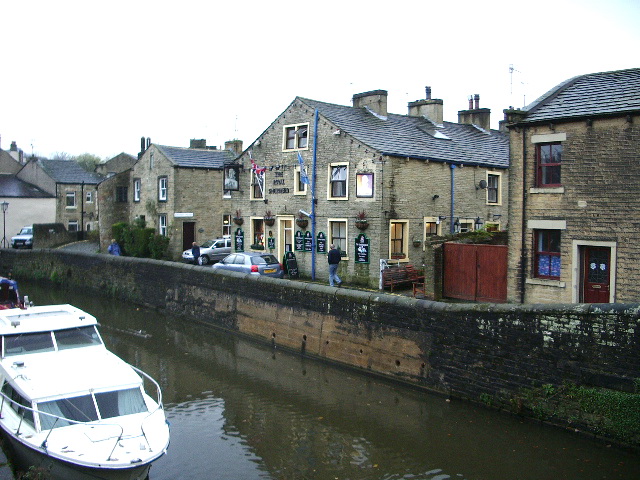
{"x": 313, "y": 197}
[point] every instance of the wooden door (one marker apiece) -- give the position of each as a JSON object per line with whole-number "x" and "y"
{"x": 596, "y": 275}
{"x": 188, "y": 234}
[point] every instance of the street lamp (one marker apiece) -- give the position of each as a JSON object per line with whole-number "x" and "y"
{"x": 5, "y": 206}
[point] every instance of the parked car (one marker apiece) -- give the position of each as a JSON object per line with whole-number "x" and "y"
{"x": 210, "y": 252}
{"x": 254, "y": 263}
{"x": 24, "y": 238}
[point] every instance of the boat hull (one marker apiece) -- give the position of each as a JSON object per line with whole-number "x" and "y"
{"x": 24, "y": 457}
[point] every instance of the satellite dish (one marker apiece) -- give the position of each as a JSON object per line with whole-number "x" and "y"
{"x": 482, "y": 184}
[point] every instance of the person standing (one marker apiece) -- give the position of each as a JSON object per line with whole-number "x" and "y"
{"x": 195, "y": 251}
{"x": 334, "y": 258}
{"x": 114, "y": 248}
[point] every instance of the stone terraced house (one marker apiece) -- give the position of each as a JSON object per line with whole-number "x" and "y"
{"x": 413, "y": 176}
{"x": 180, "y": 192}
{"x": 574, "y": 192}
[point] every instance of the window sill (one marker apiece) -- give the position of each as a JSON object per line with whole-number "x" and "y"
{"x": 556, "y": 190}
{"x": 338, "y": 198}
{"x": 546, "y": 282}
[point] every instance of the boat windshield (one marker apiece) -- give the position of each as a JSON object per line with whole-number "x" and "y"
{"x": 42, "y": 341}
{"x": 83, "y": 409}
{"x": 28, "y": 343}
{"x": 77, "y": 337}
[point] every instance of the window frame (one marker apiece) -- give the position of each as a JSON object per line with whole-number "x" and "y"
{"x": 70, "y": 195}
{"x": 254, "y": 188}
{"x": 299, "y": 188}
{"x": 404, "y": 241}
{"x": 74, "y": 223}
{"x": 340, "y": 242}
{"x": 497, "y": 189}
{"x": 257, "y": 223}
{"x": 540, "y": 167}
{"x": 137, "y": 189}
{"x": 88, "y": 196}
{"x": 163, "y": 190}
{"x": 292, "y": 132}
{"x": 162, "y": 224}
{"x": 226, "y": 224}
{"x": 122, "y": 194}
{"x": 538, "y": 253}
{"x": 431, "y": 221}
{"x": 330, "y": 181}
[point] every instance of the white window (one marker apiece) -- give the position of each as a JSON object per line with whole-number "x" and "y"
{"x": 257, "y": 184}
{"x": 71, "y": 200}
{"x": 73, "y": 226}
{"x": 162, "y": 189}
{"x": 432, "y": 227}
{"x": 89, "y": 197}
{"x": 299, "y": 187}
{"x": 136, "y": 190}
{"x": 162, "y": 224}
{"x": 295, "y": 137}
{"x": 338, "y": 181}
{"x": 494, "y": 188}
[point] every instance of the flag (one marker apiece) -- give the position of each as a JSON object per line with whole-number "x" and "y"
{"x": 303, "y": 172}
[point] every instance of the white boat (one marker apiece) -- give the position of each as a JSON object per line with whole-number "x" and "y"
{"x": 69, "y": 405}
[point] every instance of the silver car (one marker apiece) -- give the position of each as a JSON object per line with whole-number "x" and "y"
{"x": 253, "y": 263}
{"x": 24, "y": 238}
{"x": 210, "y": 252}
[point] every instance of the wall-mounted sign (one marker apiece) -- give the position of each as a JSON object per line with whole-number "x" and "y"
{"x": 239, "y": 240}
{"x": 299, "y": 241}
{"x": 271, "y": 243}
{"x": 362, "y": 249}
{"x": 232, "y": 177}
{"x": 321, "y": 243}
{"x": 308, "y": 241}
{"x": 182, "y": 215}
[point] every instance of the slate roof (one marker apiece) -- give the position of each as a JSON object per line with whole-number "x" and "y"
{"x": 417, "y": 137}
{"x": 591, "y": 95}
{"x": 68, "y": 171}
{"x": 197, "y": 157}
{"x": 12, "y": 186}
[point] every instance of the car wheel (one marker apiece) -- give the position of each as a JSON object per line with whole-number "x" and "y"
{"x": 203, "y": 260}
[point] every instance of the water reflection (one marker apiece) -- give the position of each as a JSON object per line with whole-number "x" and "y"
{"x": 242, "y": 411}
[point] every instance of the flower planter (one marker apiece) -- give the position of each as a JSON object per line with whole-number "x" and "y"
{"x": 238, "y": 220}
{"x": 302, "y": 222}
{"x": 269, "y": 221}
{"x": 362, "y": 224}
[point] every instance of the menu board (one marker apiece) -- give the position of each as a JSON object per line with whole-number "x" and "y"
{"x": 239, "y": 240}
{"x": 362, "y": 249}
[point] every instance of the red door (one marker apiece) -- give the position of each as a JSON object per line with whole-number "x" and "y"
{"x": 597, "y": 262}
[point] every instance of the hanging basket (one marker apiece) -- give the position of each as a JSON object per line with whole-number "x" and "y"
{"x": 269, "y": 221}
{"x": 302, "y": 222}
{"x": 362, "y": 224}
{"x": 238, "y": 220}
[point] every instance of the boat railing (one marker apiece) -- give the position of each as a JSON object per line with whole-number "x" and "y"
{"x": 21, "y": 409}
{"x": 159, "y": 405}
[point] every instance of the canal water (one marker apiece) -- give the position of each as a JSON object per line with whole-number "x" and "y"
{"x": 242, "y": 411}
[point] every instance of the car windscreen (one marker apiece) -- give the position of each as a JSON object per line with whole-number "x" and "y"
{"x": 207, "y": 244}
{"x": 25, "y": 231}
{"x": 264, "y": 260}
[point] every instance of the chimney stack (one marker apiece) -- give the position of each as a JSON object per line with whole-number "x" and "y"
{"x": 376, "y": 100}
{"x": 432, "y": 108}
{"x": 234, "y": 145}
{"x": 475, "y": 115}
{"x": 198, "y": 143}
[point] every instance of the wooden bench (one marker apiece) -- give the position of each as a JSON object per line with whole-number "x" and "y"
{"x": 394, "y": 276}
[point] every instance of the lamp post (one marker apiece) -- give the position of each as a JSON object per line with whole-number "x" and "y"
{"x": 5, "y": 206}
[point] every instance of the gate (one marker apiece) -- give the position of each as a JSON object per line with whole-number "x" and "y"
{"x": 475, "y": 272}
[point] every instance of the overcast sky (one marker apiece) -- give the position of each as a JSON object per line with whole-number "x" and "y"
{"x": 89, "y": 76}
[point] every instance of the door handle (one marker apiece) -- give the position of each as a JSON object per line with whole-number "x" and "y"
{"x": 596, "y": 286}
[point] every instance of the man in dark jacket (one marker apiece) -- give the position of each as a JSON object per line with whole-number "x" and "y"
{"x": 334, "y": 260}
{"x": 195, "y": 251}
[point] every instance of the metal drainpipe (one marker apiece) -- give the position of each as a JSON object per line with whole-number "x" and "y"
{"x": 313, "y": 197}
{"x": 451, "y": 226}
{"x": 82, "y": 211}
{"x": 523, "y": 250}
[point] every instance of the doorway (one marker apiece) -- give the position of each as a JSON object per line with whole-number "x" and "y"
{"x": 285, "y": 236}
{"x": 596, "y": 274}
{"x": 188, "y": 234}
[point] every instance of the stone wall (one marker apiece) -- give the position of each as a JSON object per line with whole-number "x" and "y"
{"x": 463, "y": 350}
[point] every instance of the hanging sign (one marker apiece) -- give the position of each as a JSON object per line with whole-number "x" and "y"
{"x": 271, "y": 243}
{"x": 239, "y": 240}
{"x": 299, "y": 241}
{"x": 321, "y": 243}
{"x": 362, "y": 249}
{"x": 308, "y": 241}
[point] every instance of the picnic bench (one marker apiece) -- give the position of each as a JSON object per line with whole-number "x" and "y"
{"x": 399, "y": 275}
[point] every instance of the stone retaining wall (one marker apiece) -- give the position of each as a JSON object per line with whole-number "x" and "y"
{"x": 471, "y": 351}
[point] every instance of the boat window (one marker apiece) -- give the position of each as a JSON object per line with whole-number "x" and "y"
{"x": 121, "y": 402}
{"x": 28, "y": 343}
{"x": 18, "y": 403}
{"x": 77, "y": 337}
{"x": 80, "y": 409}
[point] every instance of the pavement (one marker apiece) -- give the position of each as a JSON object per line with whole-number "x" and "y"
{"x": 84, "y": 246}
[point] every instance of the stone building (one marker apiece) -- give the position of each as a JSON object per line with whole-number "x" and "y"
{"x": 411, "y": 176}
{"x": 179, "y": 191}
{"x": 75, "y": 190}
{"x": 115, "y": 165}
{"x": 574, "y": 196}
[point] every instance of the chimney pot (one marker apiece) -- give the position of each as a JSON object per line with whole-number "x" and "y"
{"x": 476, "y": 97}
{"x": 427, "y": 93}
{"x": 470, "y": 102}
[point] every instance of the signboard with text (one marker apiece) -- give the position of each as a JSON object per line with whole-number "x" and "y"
{"x": 362, "y": 249}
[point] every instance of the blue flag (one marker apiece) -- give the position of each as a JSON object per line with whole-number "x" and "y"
{"x": 303, "y": 173}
